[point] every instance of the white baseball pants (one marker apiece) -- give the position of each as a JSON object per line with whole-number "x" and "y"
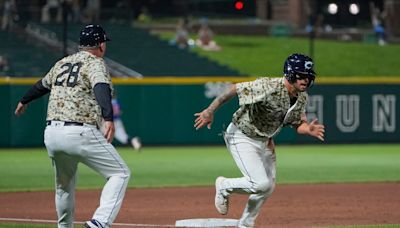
{"x": 256, "y": 160}
{"x": 120, "y": 132}
{"x": 69, "y": 145}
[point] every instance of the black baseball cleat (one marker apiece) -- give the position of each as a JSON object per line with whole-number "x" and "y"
{"x": 92, "y": 224}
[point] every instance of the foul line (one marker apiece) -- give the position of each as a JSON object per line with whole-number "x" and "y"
{"x": 55, "y": 221}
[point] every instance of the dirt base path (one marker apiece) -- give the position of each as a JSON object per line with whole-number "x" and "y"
{"x": 290, "y": 205}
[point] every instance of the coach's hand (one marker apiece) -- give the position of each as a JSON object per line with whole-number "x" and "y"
{"x": 205, "y": 117}
{"x": 109, "y": 130}
{"x": 20, "y": 109}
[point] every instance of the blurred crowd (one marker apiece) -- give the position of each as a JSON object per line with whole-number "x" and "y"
{"x": 92, "y": 11}
{"x": 205, "y": 36}
{"x": 87, "y": 11}
{"x": 9, "y": 15}
{"x": 78, "y": 11}
{"x": 4, "y": 65}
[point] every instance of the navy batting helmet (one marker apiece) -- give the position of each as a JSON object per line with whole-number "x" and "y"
{"x": 92, "y": 36}
{"x": 299, "y": 66}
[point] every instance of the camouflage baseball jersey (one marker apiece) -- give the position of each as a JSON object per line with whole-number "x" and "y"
{"x": 71, "y": 81}
{"x": 265, "y": 107}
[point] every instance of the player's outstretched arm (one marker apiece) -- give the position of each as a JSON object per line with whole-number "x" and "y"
{"x": 206, "y": 117}
{"x": 36, "y": 91}
{"x": 313, "y": 128}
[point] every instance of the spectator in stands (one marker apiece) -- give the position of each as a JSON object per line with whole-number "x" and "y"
{"x": 182, "y": 39}
{"x": 123, "y": 12}
{"x": 4, "y": 65}
{"x": 51, "y": 11}
{"x": 377, "y": 20}
{"x": 205, "y": 38}
{"x": 75, "y": 6}
{"x": 144, "y": 15}
{"x": 10, "y": 14}
{"x": 93, "y": 11}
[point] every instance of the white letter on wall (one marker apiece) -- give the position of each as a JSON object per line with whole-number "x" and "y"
{"x": 347, "y": 112}
{"x": 315, "y": 108}
{"x": 383, "y": 113}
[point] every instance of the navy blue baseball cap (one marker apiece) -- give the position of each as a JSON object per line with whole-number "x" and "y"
{"x": 92, "y": 36}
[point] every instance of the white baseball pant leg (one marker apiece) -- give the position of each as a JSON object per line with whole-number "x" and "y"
{"x": 69, "y": 145}
{"x": 256, "y": 160}
{"x": 120, "y": 132}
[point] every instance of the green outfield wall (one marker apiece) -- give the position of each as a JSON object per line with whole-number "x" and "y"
{"x": 161, "y": 110}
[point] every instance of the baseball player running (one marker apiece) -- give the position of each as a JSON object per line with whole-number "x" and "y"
{"x": 80, "y": 97}
{"x": 266, "y": 105}
{"x": 120, "y": 132}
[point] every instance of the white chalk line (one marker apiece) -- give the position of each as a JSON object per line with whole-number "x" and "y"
{"x": 55, "y": 221}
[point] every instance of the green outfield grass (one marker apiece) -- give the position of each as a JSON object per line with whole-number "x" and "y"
{"x": 261, "y": 56}
{"x": 264, "y": 56}
{"x": 30, "y": 169}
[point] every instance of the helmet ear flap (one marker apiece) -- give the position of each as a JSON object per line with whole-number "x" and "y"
{"x": 290, "y": 77}
{"x": 288, "y": 72}
{"x": 311, "y": 80}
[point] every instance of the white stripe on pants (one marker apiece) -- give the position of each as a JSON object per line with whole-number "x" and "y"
{"x": 256, "y": 160}
{"x": 69, "y": 145}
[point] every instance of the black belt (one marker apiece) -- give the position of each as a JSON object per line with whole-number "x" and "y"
{"x": 67, "y": 123}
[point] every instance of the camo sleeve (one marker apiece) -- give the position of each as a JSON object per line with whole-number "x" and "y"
{"x": 98, "y": 72}
{"x": 47, "y": 80}
{"x": 253, "y": 91}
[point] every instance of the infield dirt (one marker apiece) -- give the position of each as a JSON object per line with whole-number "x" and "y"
{"x": 311, "y": 205}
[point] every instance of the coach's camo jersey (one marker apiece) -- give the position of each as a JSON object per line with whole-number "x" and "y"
{"x": 71, "y": 81}
{"x": 265, "y": 107}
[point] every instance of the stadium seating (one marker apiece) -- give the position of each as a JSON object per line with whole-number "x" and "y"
{"x": 148, "y": 54}
{"x": 25, "y": 59}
